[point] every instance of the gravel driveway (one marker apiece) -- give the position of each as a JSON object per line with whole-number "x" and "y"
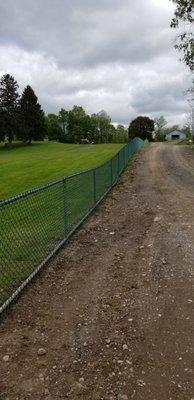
{"x": 112, "y": 318}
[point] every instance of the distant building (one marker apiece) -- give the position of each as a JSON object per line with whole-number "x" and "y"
{"x": 175, "y": 135}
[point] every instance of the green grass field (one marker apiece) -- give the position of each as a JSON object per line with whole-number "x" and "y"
{"x": 27, "y": 167}
{"x": 33, "y": 225}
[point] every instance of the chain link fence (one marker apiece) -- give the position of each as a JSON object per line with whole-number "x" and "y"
{"x": 35, "y": 224}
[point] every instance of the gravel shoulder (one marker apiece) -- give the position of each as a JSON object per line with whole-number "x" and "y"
{"x": 111, "y": 318}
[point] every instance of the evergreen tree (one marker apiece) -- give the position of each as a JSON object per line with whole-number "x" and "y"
{"x": 2, "y": 126}
{"x": 32, "y": 118}
{"x": 8, "y": 107}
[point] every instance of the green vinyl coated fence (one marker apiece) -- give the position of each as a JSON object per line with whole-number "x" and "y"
{"x": 35, "y": 224}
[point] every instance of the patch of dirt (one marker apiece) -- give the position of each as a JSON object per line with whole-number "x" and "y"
{"x": 112, "y": 317}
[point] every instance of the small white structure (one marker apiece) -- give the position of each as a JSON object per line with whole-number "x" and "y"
{"x": 174, "y": 135}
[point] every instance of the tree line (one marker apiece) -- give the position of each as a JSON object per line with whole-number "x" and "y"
{"x": 76, "y": 126}
{"x": 22, "y": 118}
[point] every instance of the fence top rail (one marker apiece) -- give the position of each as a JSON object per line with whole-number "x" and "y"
{"x": 30, "y": 192}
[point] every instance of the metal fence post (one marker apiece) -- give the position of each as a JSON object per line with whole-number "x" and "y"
{"x": 122, "y": 161}
{"x": 128, "y": 152}
{"x": 65, "y": 206}
{"x": 111, "y": 173}
{"x": 94, "y": 183}
{"x": 118, "y": 164}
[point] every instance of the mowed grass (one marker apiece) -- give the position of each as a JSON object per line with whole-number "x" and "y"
{"x": 27, "y": 167}
{"x": 32, "y": 226}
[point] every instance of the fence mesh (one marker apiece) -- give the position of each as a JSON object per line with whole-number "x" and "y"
{"x": 35, "y": 224}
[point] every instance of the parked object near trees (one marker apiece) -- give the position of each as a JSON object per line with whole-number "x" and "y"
{"x": 85, "y": 141}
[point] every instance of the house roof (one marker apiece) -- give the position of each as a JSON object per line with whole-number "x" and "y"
{"x": 175, "y": 130}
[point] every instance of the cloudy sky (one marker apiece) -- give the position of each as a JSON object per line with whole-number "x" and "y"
{"x": 115, "y": 55}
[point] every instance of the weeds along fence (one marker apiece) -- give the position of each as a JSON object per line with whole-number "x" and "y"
{"x": 35, "y": 224}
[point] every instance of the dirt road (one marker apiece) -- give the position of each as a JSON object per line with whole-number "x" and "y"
{"x": 113, "y": 317}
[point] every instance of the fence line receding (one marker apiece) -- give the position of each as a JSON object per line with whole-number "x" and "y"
{"x": 35, "y": 224}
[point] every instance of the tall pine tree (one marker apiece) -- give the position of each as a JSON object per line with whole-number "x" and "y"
{"x": 33, "y": 124}
{"x": 8, "y": 107}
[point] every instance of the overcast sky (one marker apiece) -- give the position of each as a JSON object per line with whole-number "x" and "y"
{"x": 115, "y": 55}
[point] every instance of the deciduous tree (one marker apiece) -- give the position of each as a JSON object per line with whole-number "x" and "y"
{"x": 104, "y": 126}
{"x": 121, "y": 134}
{"x": 94, "y": 128}
{"x": 160, "y": 124}
{"x": 76, "y": 124}
{"x": 63, "y": 117}
{"x": 184, "y": 12}
{"x": 142, "y": 127}
{"x": 54, "y": 130}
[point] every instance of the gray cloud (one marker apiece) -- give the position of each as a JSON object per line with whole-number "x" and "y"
{"x": 76, "y": 31}
{"x": 111, "y": 54}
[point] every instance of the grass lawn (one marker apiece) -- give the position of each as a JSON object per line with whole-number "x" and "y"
{"x": 27, "y": 167}
{"x": 32, "y": 226}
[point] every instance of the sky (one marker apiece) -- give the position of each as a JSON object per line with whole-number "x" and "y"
{"x": 115, "y": 55}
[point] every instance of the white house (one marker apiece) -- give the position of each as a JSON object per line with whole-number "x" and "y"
{"x": 175, "y": 135}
